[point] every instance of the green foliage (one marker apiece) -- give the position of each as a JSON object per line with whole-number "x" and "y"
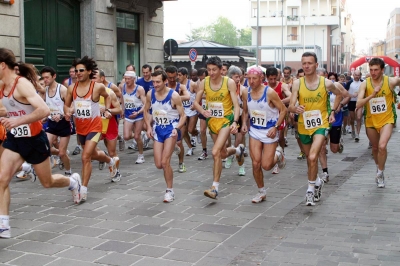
{"x": 222, "y": 31}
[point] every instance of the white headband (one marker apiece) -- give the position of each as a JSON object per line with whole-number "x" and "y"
{"x": 130, "y": 74}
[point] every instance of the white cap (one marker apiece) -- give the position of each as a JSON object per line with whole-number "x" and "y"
{"x": 130, "y": 74}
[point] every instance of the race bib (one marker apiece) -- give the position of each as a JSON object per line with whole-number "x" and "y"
{"x": 258, "y": 118}
{"x": 378, "y": 105}
{"x": 186, "y": 103}
{"x": 53, "y": 110}
{"x": 21, "y": 131}
{"x": 312, "y": 119}
{"x": 161, "y": 117}
{"x": 217, "y": 109}
{"x": 83, "y": 109}
{"x": 129, "y": 105}
{"x": 204, "y": 104}
{"x": 103, "y": 114}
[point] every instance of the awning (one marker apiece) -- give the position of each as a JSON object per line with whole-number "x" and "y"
{"x": 225, "y": 58}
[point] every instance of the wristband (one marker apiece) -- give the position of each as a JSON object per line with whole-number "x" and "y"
{"x": 108, "y": 110}
{"x": 178, "y": 130}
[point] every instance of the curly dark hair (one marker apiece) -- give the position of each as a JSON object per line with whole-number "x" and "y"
{"x": 215, "y": 60}
{"x": 89, "y": 64}
{"x": 333, "y": 74}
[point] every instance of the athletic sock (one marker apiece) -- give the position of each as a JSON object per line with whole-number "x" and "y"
{"x": 26, "y": 167}
{"x": 83, "y": 189}
{"x": 170, "y": 189}
{"x": 379, "y": 172}
{"x": 216, "y": 184}
{"x": 262, "y": 190}
{"x": 5, "y": 220}
{"x": 72, "y": 183}
{"x": 311, "y": 186}
{"x": 318, "y": 181}
{"x": 325, "y": 170}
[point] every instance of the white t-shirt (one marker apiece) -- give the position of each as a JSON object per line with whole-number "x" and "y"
{"x": 354, "y": 87}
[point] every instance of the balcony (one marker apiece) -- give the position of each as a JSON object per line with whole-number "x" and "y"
{"x": 293, "y": 39}
{"x": 309, "y": 21}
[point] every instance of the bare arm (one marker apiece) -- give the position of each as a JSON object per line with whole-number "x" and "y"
{"x": 245, "y": 113}
{"x": 67, "y": 103}
{"x": 199, "y": 97}
{"x": 142, "y": 97}
{"x": 393, "y": 82}
{"x": 232, "y": 91}
{"x": 147, "y": 116}
{"x": 116, "y": 110}
{"x": 185, "y": 96}
{"x": 361, "y": 101}
{"x": 342, "y": 90}
{"x": 286, "y": 91}
{"x": 293, "y": 99}
{"x": 176, "y": 100}
{"x": 116, "y": 90}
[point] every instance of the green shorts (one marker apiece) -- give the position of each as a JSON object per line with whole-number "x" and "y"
{"x": 307, "y": 139}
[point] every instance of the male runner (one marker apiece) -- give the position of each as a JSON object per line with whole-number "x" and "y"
{"x": 222, "y": 117}
{"x": 85, "y": 94}
{"x": 134, "y": 99}
{"x": 267, "y": 113}
{"x": 287, "y": 77}
{"x": 283, "y": 91}
{"x": 353, "y": 88}
{"x": 57, "y": 126}
{"x": 314, "y": 118}
{"x": 224, "y": 69}
{"x": 191, "y": 114}
{"x": 172, "y": 74}
{"x": 169, "y": 117}
{"x": 377, "y": 95}
{"x": 109, "y": 126}
{"x": 21, "y": 110}
{"x": 72, "y": 77}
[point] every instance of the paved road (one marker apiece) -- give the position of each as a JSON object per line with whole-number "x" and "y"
{"x": 128, "y": 224}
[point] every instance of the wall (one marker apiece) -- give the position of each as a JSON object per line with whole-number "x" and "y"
{"x": 11, "y": 27}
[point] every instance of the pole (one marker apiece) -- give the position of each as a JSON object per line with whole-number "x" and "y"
{"x": 282, "y": 42}
{"x": 170, "y": 51}
{"x": 304, "y": 34}
{"x": 323, "y": 45}
{"x": 258, "y": 30}
{"x": 314, "y": 39}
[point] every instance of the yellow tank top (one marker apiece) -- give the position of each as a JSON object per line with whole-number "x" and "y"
{"x": 317, "y": 107}
{"x": 381, "y": 109}
{"x": 104, "y": 121}
{"x": 219, "y": 102}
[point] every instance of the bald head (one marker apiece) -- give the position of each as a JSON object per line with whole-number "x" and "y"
{"x": 357, "y": 75}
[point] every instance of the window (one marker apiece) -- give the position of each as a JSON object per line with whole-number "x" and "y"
{"x": 294, "y": 12}
{"x": 254, "y": 12}
{"x": 127, "y": 21}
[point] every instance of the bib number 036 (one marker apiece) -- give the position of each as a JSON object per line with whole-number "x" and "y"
{"x": 21, "y": 131}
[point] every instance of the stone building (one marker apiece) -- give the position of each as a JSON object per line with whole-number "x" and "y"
{"x": 114, "y": 32}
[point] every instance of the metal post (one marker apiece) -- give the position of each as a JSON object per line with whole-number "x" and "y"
{"x": 323, "y": 45}
{"x": 170, "y": 51}
{"x": 275, "y": 57}
{"x": 258, "y": 29}
{"x": 304, "y": 35}
{"x": 282, "y": 41}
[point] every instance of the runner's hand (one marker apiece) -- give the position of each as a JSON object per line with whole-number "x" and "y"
{"x": 133, "y": 115}
{"x": 150, "y": 133}
{"x": 234, "y": 128}
{"x": 332, "y": 118}
{"x": 206, "y": 113}
{"x": 9, "y": 122}
{"x": 300, "y": 109}
{"x": 272, "y": 132}
{"x": 244, "y": 129}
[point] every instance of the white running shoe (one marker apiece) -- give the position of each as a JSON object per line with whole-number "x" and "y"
{"x": 193, "y": 141}
{"x": 113, "y": 168}
{"x": 310, "y": 198}
{"x": 117, "y": 177}
{"x": 76, "y": 192}
{"x": 259, "y": 197}
{"x": 121, "y": 144}
{"x": 203, "y": 156}
{"x": 242, "y": 172}
{"x": 325, "y": 177}
{"x": 169, "y": 196}
{"x": 5, "y": 231}
{"x": 276, "y": 169}
{"x": 140, "y": 159}
{"x": 228, "y": 162}
{"x": 380, "y": 180}
{"x": 281, "y": 158}
{"x": 190, "y": 151}
{"x": 198, "y": 138}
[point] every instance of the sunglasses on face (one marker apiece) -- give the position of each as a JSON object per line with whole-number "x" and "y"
{"x": 79, "y": 70}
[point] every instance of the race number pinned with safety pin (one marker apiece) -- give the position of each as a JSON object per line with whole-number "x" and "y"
{"x": 312, "y": 119}
{"x": 161, "y": 117}
{"x": 216, "y": 109}
{"x": 21, "y": 131}
{"x": 378, "y": 105}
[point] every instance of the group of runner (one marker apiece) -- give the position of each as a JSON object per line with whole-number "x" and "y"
{"x": 164, "y": 105}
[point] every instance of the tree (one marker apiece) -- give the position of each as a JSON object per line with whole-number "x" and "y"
{"x": 222, "y": 31}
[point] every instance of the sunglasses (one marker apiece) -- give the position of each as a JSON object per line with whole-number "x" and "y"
{"x": 79, "y": 70}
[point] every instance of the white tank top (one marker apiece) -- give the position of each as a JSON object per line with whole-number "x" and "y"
{"x": 163, "y": 113}
{"x": 132, "y": 102}
{"x": 55, "y": 103}
{"x": 262, "y": 116}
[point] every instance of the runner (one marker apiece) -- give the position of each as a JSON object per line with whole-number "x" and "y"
{"x": 267, "y": 113}
{"x": 72, "y": 77}
{"x": 353, "y": 88}
{"x": 284, "y": 94}
{"x": 21, "y": 110}
{"x": 222, "y": 116}
{"x": 224, "y": 69}
{"x": 191, "y": 114}
{"x": 109, "y": 128}
{"x": 378, "y": 96}
{"x": 314, "y": 118}
{"x": 57, "y": 126}
{"x": 85, "y": 94}
{"x": 134, "y": 99}
{"x": 172, "y": 76}
{"x": 202, "y": 74}
{"x": 169, "y": 117}
{"x": 287, "y": 77}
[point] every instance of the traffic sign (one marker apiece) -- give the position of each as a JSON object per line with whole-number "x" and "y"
{"x": 192, "y": 55}
{"x": 170, "y": 47}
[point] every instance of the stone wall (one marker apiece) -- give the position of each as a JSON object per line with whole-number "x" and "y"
{"x": 10, "y": 29}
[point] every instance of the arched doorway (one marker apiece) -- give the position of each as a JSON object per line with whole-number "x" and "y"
{"x": 366, "y": 59}
{"x": 52, "y": 34}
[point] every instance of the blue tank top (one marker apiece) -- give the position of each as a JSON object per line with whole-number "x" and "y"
{"x": 163, "y": 113}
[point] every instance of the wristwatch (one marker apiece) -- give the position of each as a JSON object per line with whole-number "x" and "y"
{"x": 276, "y": 126}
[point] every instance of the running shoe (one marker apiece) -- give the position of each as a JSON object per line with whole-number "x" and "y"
{"x": 198, "y": 138}
{"x": 169, "y": 196}
{"x": 228, "y": 162}
{"x": 133, "y": 146}
{"x": 190, "y": 151}
{"x": 310, "y": 198}
{"x": 5, "y": 231}
{"x": 245, "y": 153}
{"x": 357, "y": 137}
{"x": 341, "y": 147}
{"x": 84, "y": 196}
{"x": 240, "y": 157}
{"x": 286, "y": 142}
{"x": 325, "y": 177}
{"x": 242, "y": 172}
{"x": 203, "y": 156}
{"x": 259, "y": 197}
{"x": 177, "y": 150}
{"x": 380, "y": 180}
{"x": 301, "y": 156}
{"x": 182, "y": 168}
{"x": 117, "y": 177}
{"x": 318, "y": 192}
{"x": 211, "y": 193}
{"x": 193, "y": 141}
{"x": 121, "y": 144}
{"x": 101, "y": 165}
{"x": 53, "y": 161}
{"x": 276, "y": 169}
{"x": 281, "y": 158}
{"x": 77, "y": 150}
{"x": 113, "y": 168}
{"x": 140, "y": 159}
{"x": 67, "y": 174}
{"x": 353, "y": 135}
{"x": 76, "y": 191}
{"x": 145, "y": 140}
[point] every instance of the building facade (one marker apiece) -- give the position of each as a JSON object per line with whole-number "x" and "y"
{"x": 114, "y": 32}
{"x": 298, "y": 26}
{"x": 393, "y": 36}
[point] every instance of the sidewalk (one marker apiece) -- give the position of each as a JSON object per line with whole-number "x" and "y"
{"x": 126, "y": 223}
